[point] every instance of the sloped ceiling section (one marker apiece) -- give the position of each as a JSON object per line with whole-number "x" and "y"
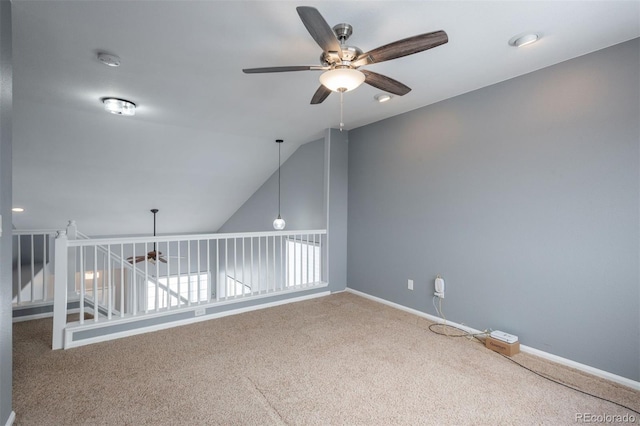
{"x": 201, "y": 142}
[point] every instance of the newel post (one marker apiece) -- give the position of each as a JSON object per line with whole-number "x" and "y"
{"x": 60, "y": 290}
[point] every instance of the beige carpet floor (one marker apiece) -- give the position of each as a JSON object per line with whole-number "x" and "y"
{"x": 339, "y": 359}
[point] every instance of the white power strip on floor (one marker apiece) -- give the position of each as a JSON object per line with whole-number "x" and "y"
{"x": 504, "y": 337}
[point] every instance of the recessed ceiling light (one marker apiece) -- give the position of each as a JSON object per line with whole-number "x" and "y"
{"x": 17, "y": 209}
{"x": 524, "y": 39}
{"x": 119, "y": 106}
{"x": 383, "y": 97}
{"x": 109, "y": 60}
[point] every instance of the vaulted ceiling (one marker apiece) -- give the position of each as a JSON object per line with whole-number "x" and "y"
{"x": 202, "y": 139}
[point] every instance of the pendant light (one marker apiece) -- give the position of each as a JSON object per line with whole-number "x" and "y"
{"x": 279, "y": 223}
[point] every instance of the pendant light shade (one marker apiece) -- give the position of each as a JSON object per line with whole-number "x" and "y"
{"x": 279, "y": 223}
{"x": 342, "y": 79}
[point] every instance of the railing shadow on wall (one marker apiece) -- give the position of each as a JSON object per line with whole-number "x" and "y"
{"x": 126, "y": 284}
{"x": 32, "y": 273}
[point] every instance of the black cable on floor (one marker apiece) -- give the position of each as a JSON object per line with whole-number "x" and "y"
{"x": 467, "y": 334}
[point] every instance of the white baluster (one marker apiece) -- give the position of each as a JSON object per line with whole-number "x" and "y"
{"x": 217, "y": 270}
{"x": 32, "y": 271}
{"x": 199, "y": 271}
{"x": 179, "y": 276}
{"x": 109, "y": 284}
{"x": 209, "y": 287}
{"x": 121, "y": 280}
{"x": 19, "y": 270}
{"x": 189, "y": 271}
{"x": 96, "y": 310}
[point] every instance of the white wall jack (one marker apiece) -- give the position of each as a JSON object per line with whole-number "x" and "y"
{"x": 439, "y": 284}
{"x": 410, "y": 284}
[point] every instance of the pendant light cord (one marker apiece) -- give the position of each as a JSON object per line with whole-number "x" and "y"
{"x": 154, "y": 231}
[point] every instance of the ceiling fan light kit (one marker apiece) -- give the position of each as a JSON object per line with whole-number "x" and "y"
{"x": 342, "y": 79}
{"x": 119, "y": 106}
{"x": 340, "y": 62}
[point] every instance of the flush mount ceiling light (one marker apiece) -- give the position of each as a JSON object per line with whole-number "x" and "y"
{"x": 524, "y": 39}
{"x": 278, "y": 223}
{"x": 342, "y": 79}
{"x": 383, "y": 97}
{"x": 119, "y": 106}
{"x": 17, "y": 209}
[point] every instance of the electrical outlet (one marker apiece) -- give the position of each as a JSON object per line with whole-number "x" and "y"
{"x": 199, "y": 311}
{"x": 439, "y": 284}
{"x": 410, "y": 284}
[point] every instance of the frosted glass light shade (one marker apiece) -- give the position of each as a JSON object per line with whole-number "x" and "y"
{"x": 279, "y": 224}
{"x": 342, "y": 79}
{"x": 119, "y": 106}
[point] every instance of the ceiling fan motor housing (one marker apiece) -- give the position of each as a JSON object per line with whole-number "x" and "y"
{"x": 343, "y": 31}
{"x": 349, "y": 54}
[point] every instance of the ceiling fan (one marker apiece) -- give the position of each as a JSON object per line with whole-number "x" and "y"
{"x": 340, "y": 62}
{"x": 153, "y": 256}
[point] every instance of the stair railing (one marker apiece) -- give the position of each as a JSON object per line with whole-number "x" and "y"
{"x": 32, "y": 257}
{"x": 185, "y": 273}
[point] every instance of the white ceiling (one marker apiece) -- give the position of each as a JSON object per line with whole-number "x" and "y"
{"x": 202, "y": 140}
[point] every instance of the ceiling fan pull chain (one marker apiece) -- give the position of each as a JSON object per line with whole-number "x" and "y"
{"x": 341, "y": 110}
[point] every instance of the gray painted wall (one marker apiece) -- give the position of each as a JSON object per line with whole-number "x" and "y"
{"x": 314, "y": 187}
{"x": 6, "y": 84}
{"x": 524, "y": 196}
{"x": 301, "y": 195}
{"x": 336, "y": 201}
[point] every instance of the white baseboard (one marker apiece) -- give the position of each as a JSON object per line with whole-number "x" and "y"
{"x": 533, "y": 351}
{"x": 32, "y": 317}
{"x": 70, "y": 343}
{"x": 11, "y": 418}
{"x": 45, "y": 315}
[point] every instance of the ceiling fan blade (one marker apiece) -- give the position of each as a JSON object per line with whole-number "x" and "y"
{"x": 162, "y": 259}
{"x": 136, "y": 259}
{"x": 283, "y": 69}
{"x": 321, "y": 94}
{"x": 404, "y": 47}
{"x": 319, "y": 29}
{"x": 385, "y": 83}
